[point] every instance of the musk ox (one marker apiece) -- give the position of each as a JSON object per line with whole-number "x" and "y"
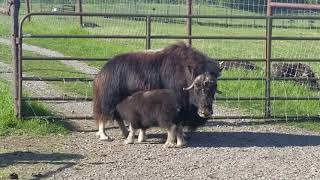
{"x": 299, "y": 70}
{"x": 238, "y": 64}
{"x": 155, "y": 108}
{"x": 175, "y": 67}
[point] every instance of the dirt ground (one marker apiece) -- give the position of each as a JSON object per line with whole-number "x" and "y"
{"x": 221, "y": 150}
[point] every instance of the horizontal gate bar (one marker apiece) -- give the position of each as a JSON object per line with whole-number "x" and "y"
{"x": 144, "y": 37}
{"x": 295, "y": 59}
{"x": 67, "y": 79}
{"x": 143, "y": 15}
{"x": 240, "y": 59}
{"x": 219, "y": 59}
{"x": 64, "y": 58}
{"x": 293, "y": 78}
{"x": 295, "y": 38}
{"x": 56, "y": 79}
{"x": 82, "y": 36}
{"x": 106, "y": 59}
{"x": 291, "y": 117}
{"x": 165, "y": 15}
{"x": 217, "y": 98}
{"x": 169, "y": 37}
{"x": 272, "y": 117}
{"x": 295, "y": 5}
{"x": 56, "y": 99}
{"x": 210, "y": 37}
{"x": 242, "y": 78}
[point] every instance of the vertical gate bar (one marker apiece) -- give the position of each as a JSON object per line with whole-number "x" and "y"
{"x": 189, "y": 21}
{"x": 148, "y": 32}
{"x": 14, "y": 12}
{"x": 79, "y": 9}
{"x": 27, "y": 4}
{"x": 269, "y": 8}
{"x": 268, "y": 68}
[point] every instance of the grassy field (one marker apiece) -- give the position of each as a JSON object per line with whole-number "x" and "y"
{"x": 9, "y": 125}
{"x": 214, "y": 48}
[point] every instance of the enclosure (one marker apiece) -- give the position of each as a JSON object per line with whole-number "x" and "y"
{"x": 229, "y": 31}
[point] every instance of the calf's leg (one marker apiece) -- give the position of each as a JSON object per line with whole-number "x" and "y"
{"x": 171, "y": 139}
{"x": 123, "y": 128}
{"x": 142, "y": 136}
{"x": 181, "y": 142}
{"x": 130, "y": 138}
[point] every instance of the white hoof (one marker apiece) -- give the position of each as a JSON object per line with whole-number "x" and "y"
{"x": 181, "y": 145}
{"x": 142, "y": 138}
{"x": 106, "y": 138}
{"x": 169, "y": 145}
{"x": 128, "y": 141}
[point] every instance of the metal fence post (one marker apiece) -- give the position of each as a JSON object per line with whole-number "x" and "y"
{"x": 27, "y": 4}
{"x": 189, "y": 21}
{"x": 268, "y": 68}
{"x": 148, "y": 32}
{"x": 14, "y": 13}
{"x": 79, "y": 10}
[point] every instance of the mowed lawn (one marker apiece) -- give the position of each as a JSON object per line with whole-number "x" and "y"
{"x": 9, "y": 125}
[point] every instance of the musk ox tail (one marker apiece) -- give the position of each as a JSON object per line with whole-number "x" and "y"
{"x": 98, "y": 114}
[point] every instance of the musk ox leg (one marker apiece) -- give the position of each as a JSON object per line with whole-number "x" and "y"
{"x": 181, "y": 142}
{"x": 101, "y": 133}
{"x": 171, "y": 139}
{"x": 130, "y": 138}
{"x": 142, "y": 136}
{"x": 123, "y": 128}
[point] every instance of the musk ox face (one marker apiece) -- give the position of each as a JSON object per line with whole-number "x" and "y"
{"x": 202, "y": 91}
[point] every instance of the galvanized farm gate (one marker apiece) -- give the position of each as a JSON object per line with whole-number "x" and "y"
{"x": 268, "y": 38}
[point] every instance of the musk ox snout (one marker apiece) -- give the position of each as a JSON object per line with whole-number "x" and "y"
{"x": 205, "y": 113}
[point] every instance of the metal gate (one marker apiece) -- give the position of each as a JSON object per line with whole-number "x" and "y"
{"x": 148, "y": 37}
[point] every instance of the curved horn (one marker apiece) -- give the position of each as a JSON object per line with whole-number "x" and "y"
{"x": 190, "y": 87}
{"x": 193, "y": 83}
{"x": 221, "y": 63}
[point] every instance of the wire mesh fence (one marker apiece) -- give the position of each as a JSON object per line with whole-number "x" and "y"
{"x": 243, "y": 95}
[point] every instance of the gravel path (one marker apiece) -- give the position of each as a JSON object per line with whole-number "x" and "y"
{"x": 229, "y": 149}
{"x": 224, "y": 150}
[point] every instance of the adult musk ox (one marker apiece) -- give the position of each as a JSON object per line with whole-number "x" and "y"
{"x": 175, "y": 67}
{"x": 155, "y": 108}
{"x": 299, "y": 70}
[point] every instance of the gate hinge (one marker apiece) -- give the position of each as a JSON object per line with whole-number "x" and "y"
{"x": 18, "y": 40}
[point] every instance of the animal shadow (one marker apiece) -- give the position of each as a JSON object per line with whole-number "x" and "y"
{"x": 64, "y": 160}
{"x": 250, "y": 139}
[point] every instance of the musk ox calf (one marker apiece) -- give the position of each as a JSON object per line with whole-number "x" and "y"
{"x": 299, "y": 70}
{"x": 175, "y": 67}
{"x": 155, "y": 108}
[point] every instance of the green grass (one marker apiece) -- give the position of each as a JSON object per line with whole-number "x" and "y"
{"x": 9, "y": 125}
